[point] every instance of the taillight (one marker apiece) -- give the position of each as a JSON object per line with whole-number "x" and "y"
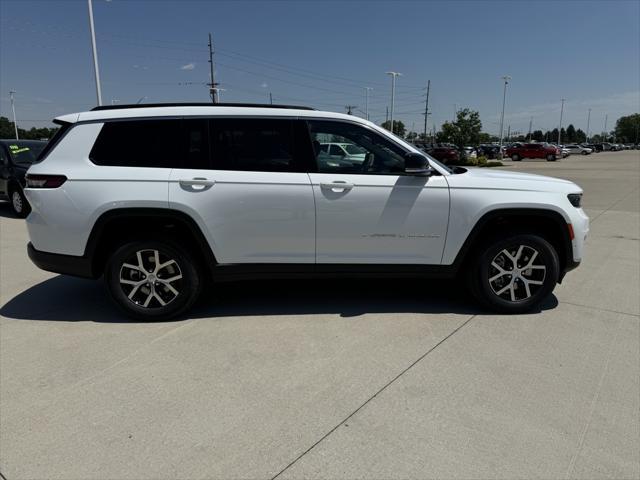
{"x": 44, "y": 181}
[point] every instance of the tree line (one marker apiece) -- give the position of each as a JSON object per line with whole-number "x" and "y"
{"x": 7, "y": 130}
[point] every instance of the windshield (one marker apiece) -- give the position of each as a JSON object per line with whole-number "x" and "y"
{"x": 25, "y": 152}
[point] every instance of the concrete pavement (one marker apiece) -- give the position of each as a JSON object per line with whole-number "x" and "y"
{"x": 358, "y": 379}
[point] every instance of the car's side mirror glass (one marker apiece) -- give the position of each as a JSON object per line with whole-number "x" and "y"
{"x": 416, "y": 164}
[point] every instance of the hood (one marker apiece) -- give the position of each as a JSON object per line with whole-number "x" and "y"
{"x": 491, "y": 178}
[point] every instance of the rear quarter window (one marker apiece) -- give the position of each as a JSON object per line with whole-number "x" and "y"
{"x": 138, "y": 143}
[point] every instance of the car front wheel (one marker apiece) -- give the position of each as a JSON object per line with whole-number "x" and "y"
{"x": 515, "y": 157}
{"x": 515, "y": 274}
{"x": 152, "y": 280}
{"x": 551, "y": 158}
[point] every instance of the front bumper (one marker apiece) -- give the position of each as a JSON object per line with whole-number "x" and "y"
{"x": 58, "y": 263}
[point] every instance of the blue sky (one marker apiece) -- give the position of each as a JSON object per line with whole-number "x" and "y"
{"x": 324, "y": 53}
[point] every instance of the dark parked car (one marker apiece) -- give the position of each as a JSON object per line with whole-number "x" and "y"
{"x": 16, "y": 156}
{"x": 489, "y": 151}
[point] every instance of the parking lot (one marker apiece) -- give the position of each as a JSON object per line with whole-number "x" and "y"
{"x": 333, "y": 379}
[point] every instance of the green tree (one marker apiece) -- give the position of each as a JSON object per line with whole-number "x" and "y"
{"x": 571, "y": 134}
{"x": 7, "y": 131}
{"x": 412, "y": 136}
{"x": 398, "y": 127}
{"x": 465, "y": 130}
{"x": 581, "y": 137}
{"x": 537, "y": 136}
{"x": 628, "y": 128}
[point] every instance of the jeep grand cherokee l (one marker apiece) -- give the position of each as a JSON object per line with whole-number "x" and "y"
{"x": 161, "y": 198}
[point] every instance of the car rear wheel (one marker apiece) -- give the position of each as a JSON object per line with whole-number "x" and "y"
{"x": 19, "y": 203}
{"x": 551, "y": 158}
{"x": 515, "y": 274}
{"x": 584, "y": 152}
{"x": 152, "y": 280}
{"x": 515, "y": 157}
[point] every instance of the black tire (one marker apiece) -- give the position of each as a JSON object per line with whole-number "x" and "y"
{"x": 515, "y": 157}
{"x": 584, "y": 152}
{"x": 19, "y": 203}
{"x": 482, "y": 271}
{"x": 551, "y": 158}
{"x": 154, "y": 285}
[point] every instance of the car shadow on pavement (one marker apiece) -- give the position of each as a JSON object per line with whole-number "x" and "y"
{"x": 69, "y": 299}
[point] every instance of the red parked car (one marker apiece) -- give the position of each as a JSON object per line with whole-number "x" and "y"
{"x": 534, "y": 150}
{"x": 446, "y": 155}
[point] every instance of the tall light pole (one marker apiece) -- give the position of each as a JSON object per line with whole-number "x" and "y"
{"x": 506, "y": 79}
{"x": 13, "y": 108}
{"x": 530, "y": 125}
{"x": 426, "y": 110}
{"x": 588, "y": 122}
{"x": 95, "y": 54}
{"x": 560, "y": 127}
{"x": 606, "y": 135}
{"x": 366, "y": 101}
{"x": 393, "y": 93}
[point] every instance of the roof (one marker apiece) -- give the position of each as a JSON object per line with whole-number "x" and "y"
{"x": 200, "y": 110}
{"x": 197, "y": 104}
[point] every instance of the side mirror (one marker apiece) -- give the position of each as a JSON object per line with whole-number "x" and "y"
{"x": 416, "y": 164}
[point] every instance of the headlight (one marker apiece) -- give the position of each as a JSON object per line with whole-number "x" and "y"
{"x": 575, "y": 199}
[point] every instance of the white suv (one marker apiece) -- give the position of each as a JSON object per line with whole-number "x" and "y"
{"x": 160, "y": 198}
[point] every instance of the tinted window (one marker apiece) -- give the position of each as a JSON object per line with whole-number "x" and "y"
{"x": 138, "y": 143}
{"x": 259, "y": 145}
{"x": 376, "y": 154}
{"x": 25, "y": 152}
{"x": 196, "y": 133}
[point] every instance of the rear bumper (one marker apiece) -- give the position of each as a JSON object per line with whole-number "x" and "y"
{"x": 58, "y": 263}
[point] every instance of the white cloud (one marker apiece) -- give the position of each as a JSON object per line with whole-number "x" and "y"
{"x": 188, "y": 66}
{"x": 264, "y": 84}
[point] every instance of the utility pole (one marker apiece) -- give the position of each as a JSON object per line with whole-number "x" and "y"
{"x": 530, "y": 125}
{"x": 366, "y": 101}
{"x": 508, "y": 133}
{"x": 270, "y": 98}
{"x": 217, "y": 91}
{"x": 506, "y": 79}
{"x": 455, "y": 111}
{"x": 94, "y": 49}
{"x": 433, "y": 137}
{"x": 213, "y": 91}
{"x": 605, "y": 135}
{"x": 588, "y": 122}
{"x": 386, "y": 117}
{"x": 393, "y": 93}
{"x": 560, "y": 127}
{"x": 350, "y": 109}
{"x": 13, "y": 108}
{"x": 426, "y": 110}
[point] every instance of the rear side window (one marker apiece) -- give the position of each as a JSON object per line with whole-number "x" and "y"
{"x": 139, "y": 143}
{"x": 260, "y": 145}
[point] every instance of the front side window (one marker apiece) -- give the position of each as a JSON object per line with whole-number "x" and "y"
{"x": 249, "y": 144}
{"x": 139, "y": 143}
{"x": 367, "y": 152}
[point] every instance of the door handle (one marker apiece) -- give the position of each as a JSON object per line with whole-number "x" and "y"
{"x": 337, "y": 185}
{"x": 196, "y": 182}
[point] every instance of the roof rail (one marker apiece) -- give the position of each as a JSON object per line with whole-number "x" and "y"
{"x": 152, "y": 105}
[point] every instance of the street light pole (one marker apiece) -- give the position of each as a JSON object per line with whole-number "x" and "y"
{"x": 606, "y": 135}
{"x": 560, "y": 127}
{"x": 13, "y": 108}
{"x": 366, "y": 101}
{"x": 393, "y": 92}
{"x": 506, "y": 79}
{"x": 95, "y": 54}
{"x": 588, "y": 122}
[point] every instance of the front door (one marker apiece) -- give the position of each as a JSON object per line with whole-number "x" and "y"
{"x": 367, "y": 209}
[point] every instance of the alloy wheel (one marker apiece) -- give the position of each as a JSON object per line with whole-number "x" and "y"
{"x": 517, "y": 273}
{"x": 151, "y": 279}
{"x": 16, "y": 201}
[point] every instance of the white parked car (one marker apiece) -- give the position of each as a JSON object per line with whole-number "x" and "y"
{"x": 158, "y": 199}
{"x": 578, "y": 149}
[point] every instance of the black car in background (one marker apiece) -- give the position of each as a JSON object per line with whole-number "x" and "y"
{"x": 16, "y": 156}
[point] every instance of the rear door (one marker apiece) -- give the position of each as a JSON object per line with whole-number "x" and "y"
{"x": 4, "y": 172}
{"x": 243, "y": 181}
{"x": 370, "y": 211}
